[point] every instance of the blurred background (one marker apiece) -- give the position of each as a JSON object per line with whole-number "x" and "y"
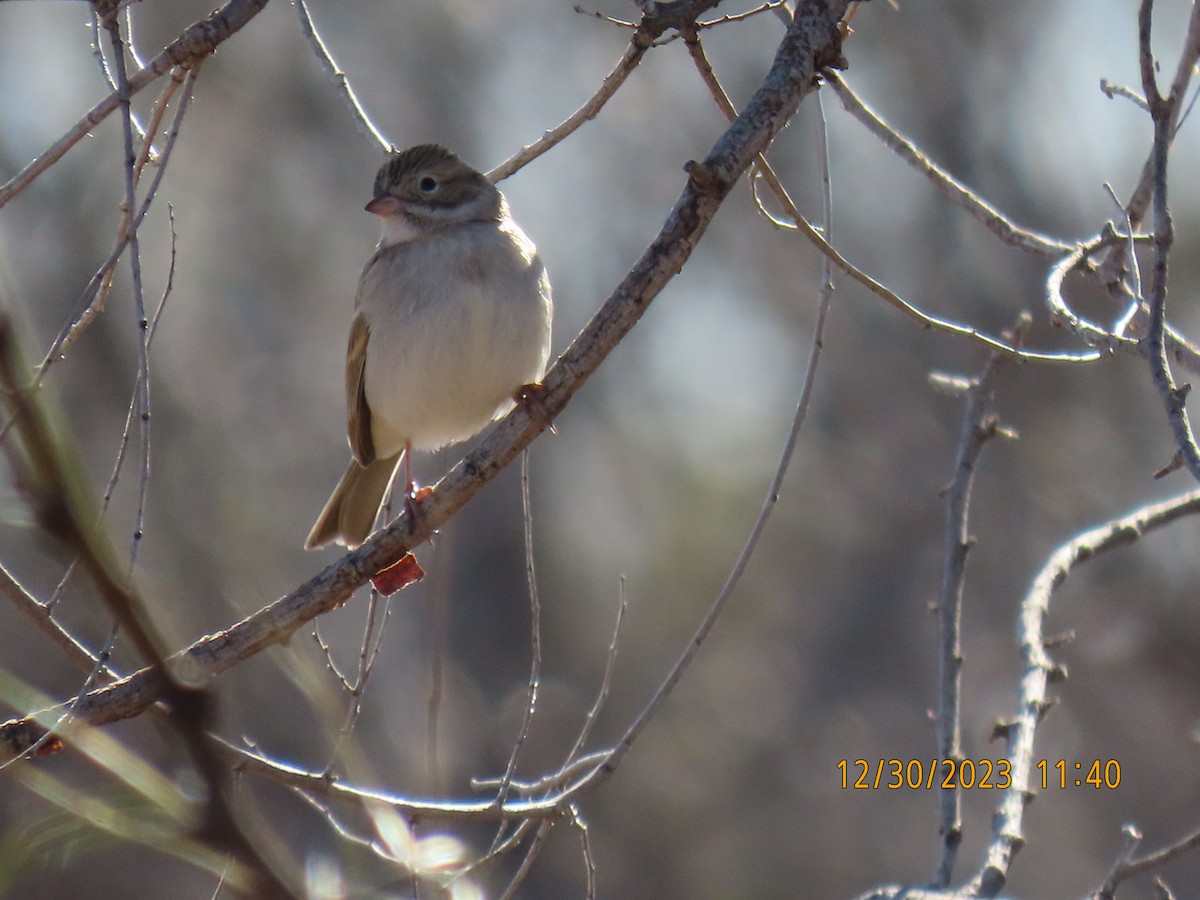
{"x": 660, "y": 464}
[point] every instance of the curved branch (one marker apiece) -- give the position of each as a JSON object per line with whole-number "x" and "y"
{"x": 1039, "y": 670}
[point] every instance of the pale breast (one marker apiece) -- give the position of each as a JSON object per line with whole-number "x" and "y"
{"x": 458, "y": 322}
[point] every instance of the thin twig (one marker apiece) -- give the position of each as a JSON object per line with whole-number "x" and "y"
{"x": 361, "y": 119}
{"x": 142, "y": 321}
{"x": 545, "y": 798}
{"x": 979, "y": 426}
{"x": 585, "y": 847}
{"x": 991, "y": 218}
{"x": 531, "y": 855}
{"x": 90, "y": 300}
{"x": 1188, "y": 57}
{"x": 1131, "y": 836}
{"x": 768, "y": 505}
{"x": 510, "y": 842}
{"x": 633, "y": 54}
{"x": 596, "y": 14}
{"x": 1094, "y": 334}
{"x": 1128, "y": 867}
{"x": 535, "y": 638}
{"x": 127, "y": 430}
{"x": 605, "y": 681}
{"x": 107, "y": 71}
{"x": 43, "y": 619}
{"x": 763, "y": 170}
{"x": 769, "y": 6}
{"x": 1111, "y": 90}
{"x": 1140, "y": 198}
{"x": 96, "y": 298}
{"x": 1116, "y": 338}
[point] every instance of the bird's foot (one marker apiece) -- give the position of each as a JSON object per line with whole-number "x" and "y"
{"x": 532, "y": 398}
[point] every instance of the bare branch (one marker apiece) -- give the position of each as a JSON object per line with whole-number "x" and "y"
{"x": 612, "y": 82}
{"x": 531, "y": 855}
{"x": 361, "y": 119}
{"x": 142, "y": 323}
{"x": 605, "y": 682}
{"x": 1139, "y": 202}
{"x": 585, "y": 843}
{"x": 1094, "y": 334}
{"x": 1163, "y": 111}
{"x": 43, "y": 619}
{"x": 979, "y": 426}
{"x": 1039, "y": 670}
{"x": 982, "y": 211}
{"x": 91, "y": 302}
{"x": 1127, "y": 867}
{"x": 763, "y": 170}
{"x": 195, "y": 44}
{"x": 770, "y": 6}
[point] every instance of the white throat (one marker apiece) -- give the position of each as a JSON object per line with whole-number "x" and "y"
{"x": 398, "y": 229}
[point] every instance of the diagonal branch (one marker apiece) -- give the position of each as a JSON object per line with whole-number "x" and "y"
{"x": 994, "y": 220}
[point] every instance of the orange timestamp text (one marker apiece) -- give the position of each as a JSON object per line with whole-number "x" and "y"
{"x": 973, "y": 774}
{"x": 1094, "y": 773}
{"x": 915, "y": 774}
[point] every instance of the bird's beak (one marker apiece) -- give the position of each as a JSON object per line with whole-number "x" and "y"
{"x": 384, "y": 205}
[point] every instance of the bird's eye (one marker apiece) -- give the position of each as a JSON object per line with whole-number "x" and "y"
{"x": 428, "y": 184}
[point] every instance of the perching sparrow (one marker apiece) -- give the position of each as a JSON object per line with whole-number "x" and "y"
{"x": 452, "y": 319}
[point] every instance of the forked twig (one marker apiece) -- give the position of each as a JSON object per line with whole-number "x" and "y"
{"x": 1127, "y": 867}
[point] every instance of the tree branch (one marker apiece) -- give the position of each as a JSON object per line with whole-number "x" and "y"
{"x": 198, "y": 42}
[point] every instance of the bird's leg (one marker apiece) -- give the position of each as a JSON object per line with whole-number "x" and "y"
{"x": 412, "y": 494}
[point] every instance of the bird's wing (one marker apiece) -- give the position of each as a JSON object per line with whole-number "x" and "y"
{"x": 358, "y": 413}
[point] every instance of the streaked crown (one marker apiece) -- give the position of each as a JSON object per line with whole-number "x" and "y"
{"x": 433, "y": 185}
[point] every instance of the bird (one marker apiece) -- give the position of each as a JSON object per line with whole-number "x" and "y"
{"x": 451, "y": 327}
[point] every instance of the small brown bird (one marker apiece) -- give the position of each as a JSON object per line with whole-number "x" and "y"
{"x": 452, "y": 319}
